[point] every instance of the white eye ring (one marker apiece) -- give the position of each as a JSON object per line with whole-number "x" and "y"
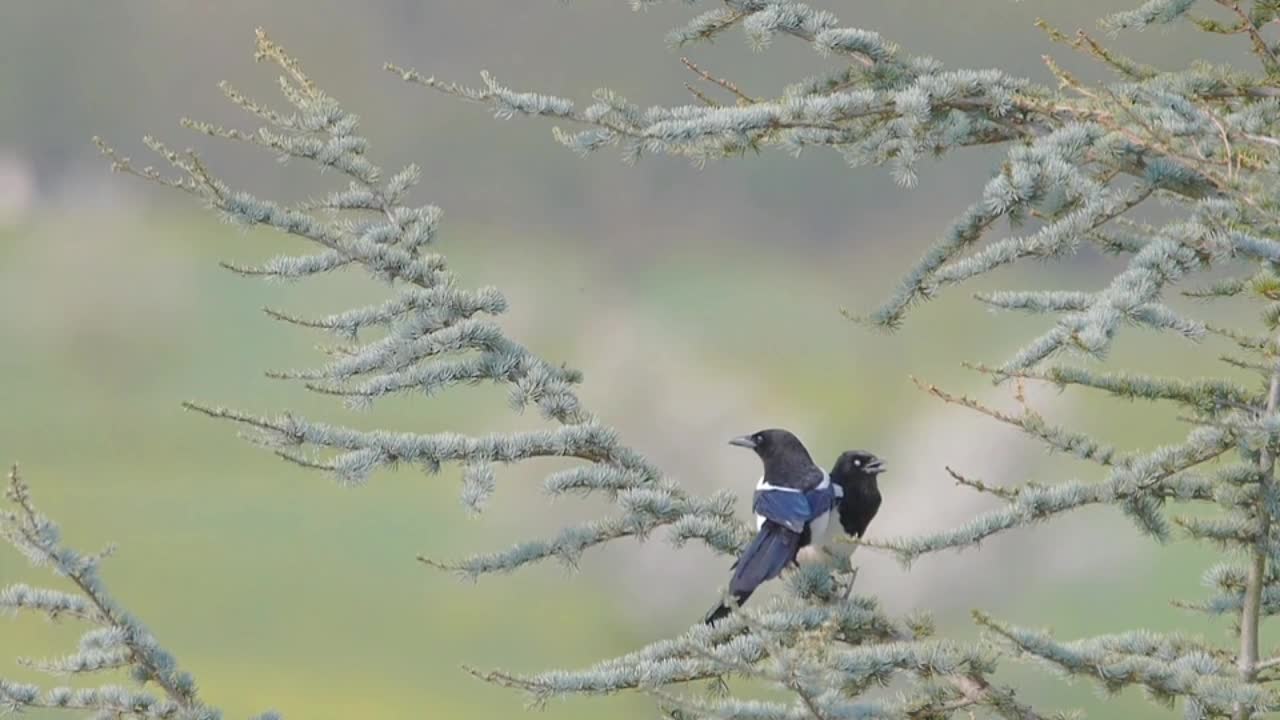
{"x": 858, "y": 463}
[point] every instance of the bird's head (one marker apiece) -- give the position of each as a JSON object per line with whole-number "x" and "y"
{"x": 857, "y": 463}
{"x": 773, "y": 443}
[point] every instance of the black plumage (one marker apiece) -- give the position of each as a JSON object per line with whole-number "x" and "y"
{"x": 855, "y": 473}
{"x": 786, "y": 461}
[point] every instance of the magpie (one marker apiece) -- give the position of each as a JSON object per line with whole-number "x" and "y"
{"x": 854, "y": 476}
{"x": 793, "y": 503}
{"x": 793, "y": 498}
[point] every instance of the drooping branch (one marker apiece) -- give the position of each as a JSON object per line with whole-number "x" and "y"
{"x": 1168, "y": 666}
{"x": 434, "y": 335}
{"x": 117, "y": 640}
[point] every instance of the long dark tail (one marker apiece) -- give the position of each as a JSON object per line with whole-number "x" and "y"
{"x": 773, "y": 548}
{"x": 721, "y": 611}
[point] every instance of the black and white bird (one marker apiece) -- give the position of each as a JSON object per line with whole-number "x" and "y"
{"x": 793, "y": 504}
{"x": 854, "y": 477}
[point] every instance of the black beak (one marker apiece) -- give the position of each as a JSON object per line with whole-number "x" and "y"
{"x": 744, "y": 441}
{"x": 875, "y": 467}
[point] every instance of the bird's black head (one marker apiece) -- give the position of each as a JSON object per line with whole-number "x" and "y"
{"x": 856, "y": 464}
{"x": 773, "y": 443}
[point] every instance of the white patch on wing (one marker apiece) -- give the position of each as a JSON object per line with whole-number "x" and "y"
{"x": 820, "y": 528}
{"x": 760, "y": 485}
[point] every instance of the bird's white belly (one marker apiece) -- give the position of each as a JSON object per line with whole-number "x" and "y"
{"x": 820, "y": 533}
{"x": 820, "y": 529}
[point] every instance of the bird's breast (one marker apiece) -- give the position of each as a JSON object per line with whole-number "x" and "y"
{"x": 821, "y": 534}
{"x": 821, "y": 529}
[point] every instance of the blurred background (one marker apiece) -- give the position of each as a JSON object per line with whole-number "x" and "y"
{"x": 700, "y": 303}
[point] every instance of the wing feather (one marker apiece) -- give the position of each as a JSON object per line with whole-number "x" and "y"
{"x": 791, "y": 510}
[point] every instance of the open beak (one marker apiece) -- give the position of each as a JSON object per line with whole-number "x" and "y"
{"x": 875, "y": 467}
{"x": 744, "y": 441}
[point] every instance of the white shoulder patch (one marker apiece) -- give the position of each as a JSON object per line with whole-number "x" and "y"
{"x": 826, "y": 481}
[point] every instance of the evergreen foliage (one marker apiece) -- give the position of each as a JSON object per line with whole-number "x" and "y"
{"x": 1080, "y": 160}
{"x": 115, "y": 641}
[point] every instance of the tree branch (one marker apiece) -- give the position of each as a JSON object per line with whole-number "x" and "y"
{"x": 1251, "y": 611}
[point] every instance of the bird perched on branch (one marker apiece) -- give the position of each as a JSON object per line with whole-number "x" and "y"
{"x": 854, "y": 477}
{"x": 793, "y": 504}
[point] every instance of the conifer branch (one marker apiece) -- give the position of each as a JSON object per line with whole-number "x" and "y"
{"x": 1081, "y": 159}
{"x": 118, "y": 640}
{"x": 1209, "y": 395}
{"x": 1002, "y": 493}
{"x": 1085, "y": 43}
{"x": 436, "y": 335}
{"x": 1033, "y": 424}
{"x": 1168, "y": 666}
{"x": 869, "y": 649}
{"x": 1139, "y": 486}
{"x": 1260, "y": 46}
{"x": 1138, "y": 128}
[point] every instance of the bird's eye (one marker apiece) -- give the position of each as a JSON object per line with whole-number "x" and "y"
{"x": 759, "y": 439}
{"x": 858, "y": 463}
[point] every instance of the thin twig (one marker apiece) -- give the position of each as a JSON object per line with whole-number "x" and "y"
{"x": 1260, "y": 47}
{"x": 967, "y": 402}
{"x": 702, "y": 97}
{"x": 722, "y": 82}
{"x": 1226, "y": 142}
{"x": 980, "y": 486}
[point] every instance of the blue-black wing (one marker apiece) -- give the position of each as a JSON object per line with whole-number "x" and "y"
{"x": 791, "y": 510}
{"x": 786, "y": 516}
{"x": 772, "y": 549}
{"x": 822, "y": 500}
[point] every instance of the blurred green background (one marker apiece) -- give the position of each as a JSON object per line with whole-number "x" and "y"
{"x": 700, "y": 303}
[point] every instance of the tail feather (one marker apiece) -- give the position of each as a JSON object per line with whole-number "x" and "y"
{"x": 722, "y": 610}
{"x": 773, "y": 548}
